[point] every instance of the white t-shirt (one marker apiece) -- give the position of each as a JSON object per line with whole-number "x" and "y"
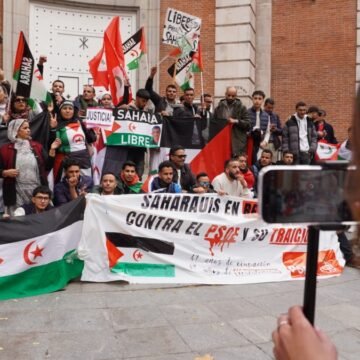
{"x": 231, "y": 187}
{"x": 303, "y": 136}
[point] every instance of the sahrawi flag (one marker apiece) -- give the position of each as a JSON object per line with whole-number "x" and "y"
{"x": 38, "y": 252}
{"x": 325, "y": 151}
{"x": 181, "y": 72}
{"x": 30, "y": 82}
{"x": 134, "y": 48}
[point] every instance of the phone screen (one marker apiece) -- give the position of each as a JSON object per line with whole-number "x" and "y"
{"x": 303, "y": 194}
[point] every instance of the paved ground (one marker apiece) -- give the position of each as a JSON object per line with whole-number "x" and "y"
{"x": 117, "y": 321}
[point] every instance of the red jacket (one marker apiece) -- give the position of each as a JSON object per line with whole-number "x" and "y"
{"x": 8, "y": 161}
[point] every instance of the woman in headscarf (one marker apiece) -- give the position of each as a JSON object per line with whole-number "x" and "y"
{"x": 75, "y": 138}
{"x": 105, "y": 100}
{"x": 23, "y": 164}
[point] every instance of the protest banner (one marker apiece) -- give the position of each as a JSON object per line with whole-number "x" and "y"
{"x": 188, "y": 238}
{"x": 99, "y": 117}
{"x": 179, "y": 25}
{"x": 134, "y": 128}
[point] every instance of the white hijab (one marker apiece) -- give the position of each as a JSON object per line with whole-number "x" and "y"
{"x": 13, "y": 128}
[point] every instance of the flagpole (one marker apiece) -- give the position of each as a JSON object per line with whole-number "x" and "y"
{"x": 9, "y": 98}
{"x": 147, "y": 65}
{"x": 174, "y": 74}
{"x": 163, "y": 59}
{"x": 202, "y": 85}
{"x": 173, "y": 53}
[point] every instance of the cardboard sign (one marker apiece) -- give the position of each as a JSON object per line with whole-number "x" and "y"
{"x": 99, "y": 117}
{"x": 179, "y": 24}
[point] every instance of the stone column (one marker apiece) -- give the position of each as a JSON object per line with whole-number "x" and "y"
{"x": 358, "y": 46}
{"x": 263, "y": 45}
{"x": 235, "y": 47}
{"x": 16, "y": 19}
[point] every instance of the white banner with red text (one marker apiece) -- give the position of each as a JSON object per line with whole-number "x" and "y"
{"x": 189, "y": 238}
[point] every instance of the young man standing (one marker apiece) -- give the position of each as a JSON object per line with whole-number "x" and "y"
{"x": 163, "y": 105}
{"x": 259, "y": 122}
{"x": 299, "y": 136}
{"x": 58, "y": 88}
{"x": 190, "y": 110}
{"x": 275, "y": 129}
{"x": 206, "y": 110}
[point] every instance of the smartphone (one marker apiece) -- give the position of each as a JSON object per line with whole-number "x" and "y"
{"x": 311, "y": 194}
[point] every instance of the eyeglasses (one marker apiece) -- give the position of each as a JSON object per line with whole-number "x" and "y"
{"x": 42, "y": 198}
{"x": 181, "y": 156}
{"x": 20, "y": 100}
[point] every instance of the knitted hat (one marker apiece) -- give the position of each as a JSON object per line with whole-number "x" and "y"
{"x": 66, "y": 103}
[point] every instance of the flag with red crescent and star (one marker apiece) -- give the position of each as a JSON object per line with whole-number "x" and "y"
{"x": 38, "y": 252}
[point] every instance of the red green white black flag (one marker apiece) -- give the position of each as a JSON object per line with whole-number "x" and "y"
{"x": 29, "y": 79}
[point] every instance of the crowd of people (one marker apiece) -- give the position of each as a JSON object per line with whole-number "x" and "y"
{"x": 67, "y": 152}
{"x": 25, "y": 163}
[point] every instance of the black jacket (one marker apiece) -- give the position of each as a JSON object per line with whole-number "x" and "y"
{"x": 291, "y": 138}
